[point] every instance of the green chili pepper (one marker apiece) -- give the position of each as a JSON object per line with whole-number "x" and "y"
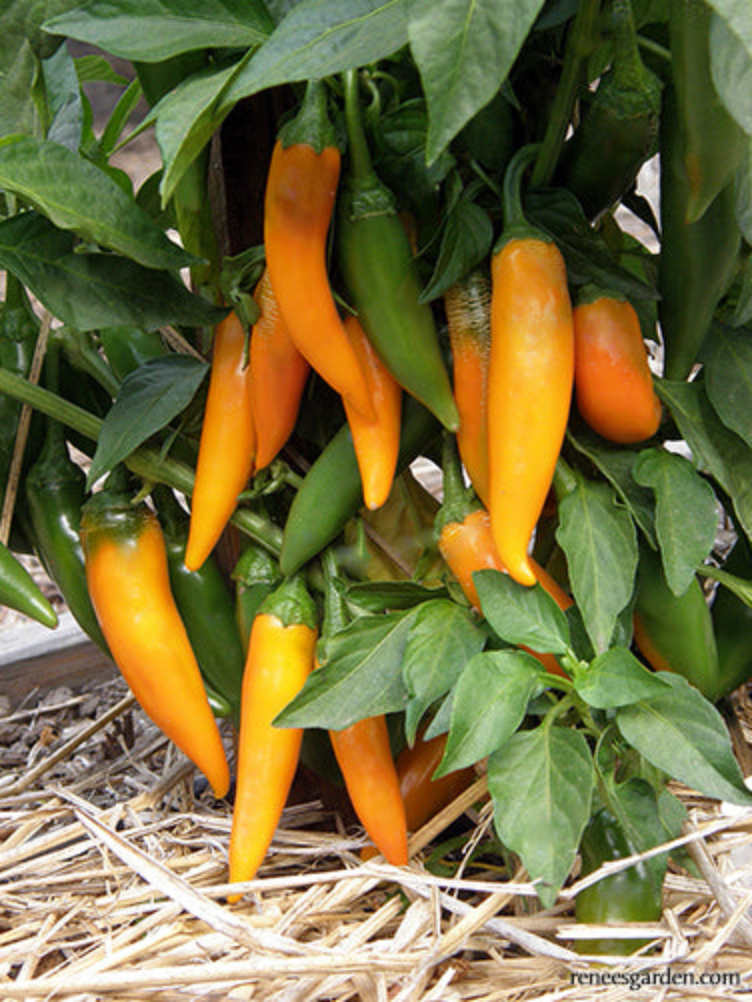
{"x": 127, "y": 348}
{"x": 332, "y": 491}
{"x": 379, "y": 271}
{"x": 713, "y": 142}
{"x": 255, "y": 575}
{"x": 732, "y": 619}
{"x": 619, "y": 129}
{"x": 205, "y": 604}
{"x": 55, "y": 493}
{"x": 675, "y": 632}
{"x": 630, "y": 895}
{"x": 19, "y": 591}
{"x": 698, "y": 259}
{"x": 18, "y": 337}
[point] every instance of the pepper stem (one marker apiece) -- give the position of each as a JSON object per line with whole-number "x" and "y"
{"x": 511, "y": 195}
{"x": 312, "y": 125}
{"x": 360, "y": 157}
{"x": 459, "y": 500}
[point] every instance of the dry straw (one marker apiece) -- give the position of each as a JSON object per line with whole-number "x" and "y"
{"x": 113, "y": 883}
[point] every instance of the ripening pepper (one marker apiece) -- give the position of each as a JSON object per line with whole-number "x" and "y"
{"x": 363, "y": 751}
{"x": 675, "y": 632}
{"x": 205, "y": 604}
{"x": 129, "y": 585}
{"x": 228, "y": 441}
{"x": 713, "y": 142}
{"x": 424, "y": 796}
{"x": 301, "y": 189}
{"x": 278, "y": 376}
{"x": 629, "y": 895}
{"x": 468, "y": 312}
{"x": 619, "y": 127}
{"x": 378, "y": 267}
{"x": 612, "y": 378}
{"x": 280, "y": 657}
{"x": 467, "y": 545}
{"x": 530, "y": 377}
{"x": 698, "y": 258}
{"x": 376, "y": 442}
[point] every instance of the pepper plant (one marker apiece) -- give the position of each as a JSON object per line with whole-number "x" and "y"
{"x": 458, "y": 184}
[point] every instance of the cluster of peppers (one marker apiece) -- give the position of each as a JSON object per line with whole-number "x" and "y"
{"x": 143, "y": 581}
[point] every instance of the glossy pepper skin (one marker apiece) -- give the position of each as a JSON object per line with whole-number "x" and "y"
{"x": 713, "y": 143}
{"x": 129, "y": 584}
{"x": 423, "y": 795}
{"x": 468, "y": 312}
{"x": 55, "y": 492}
{"x": 612, "y": 378}
{"x": 278, "y": 376}
{"x": 376, "y": 442}
{"x": 698, "y": 259}
{"x": 332, "y": 492}
{"x": 675, "y": 633}
{"x": 19, "y": 591}
{"x": 630, "y": 895}
{"x": 205, "y": 604}
{"x": 228, "y": 442}
{"x": 300, "y": 193}
{"x": 280, "y": 658}
{"x": 378, "y": 267}
{"x": 530, "y": 378}
{"x": 363, "y": 750}
{"x": 732, "y": 623}
{"x": 619, "y": 128}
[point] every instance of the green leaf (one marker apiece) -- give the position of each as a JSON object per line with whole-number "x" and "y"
{"x": 91, "y": 69}
{"x": 507, "y": 680}
{"x": 18, "y": 69}
{"x": 319, "y": 38}
{"x": 75, "y": 195}
{"x": 541, "y": 783}
{"x": 727, "y": 358}
{"x": 464, "y": 50}
{"x": 63, "y": 97}
{"x": 743, "y": 208}
{"x": 465, "y": 243}
{"x": 187, "y": 117}
{"x": 731, "y": 65}
{"x": 684, "y": 735}
{"x": 686, "y": 518}
{"x": 89, "y": 291}
{"x": 149, "y": 398}
{"x": 154, "y": 30}
{"x": 522, "y": 615}
{"x": 588, "y": 257}
{"x": 617, "y": 464}
{"x": 738, "y": 17}
{"x": 383, "y": 596}
{"x": 636, "y": 807}
{"x": 362, "y": 678}
{"x": 600, "y": 543}
{"x": 715, "y": 449}
{"x": 443, "y": 638}
{"x": 617, "y": 678}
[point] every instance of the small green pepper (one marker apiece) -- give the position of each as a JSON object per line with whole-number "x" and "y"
{"x": 619, "y": 129}
{"x": 630, "y": 895}
{"x": 675, "y": 632}
{"x": 205, "y": 604}
{"x": 732, "y": 619}
{"x": 19, "y": 591}
{"x": 332, "y": 492}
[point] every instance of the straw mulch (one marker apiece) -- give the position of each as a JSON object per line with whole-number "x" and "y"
{"x": 113, "y": 886}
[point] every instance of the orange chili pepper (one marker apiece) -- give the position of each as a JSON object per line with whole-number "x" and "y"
{"x": 468, "y": 313}
{"x": 613, "y": 382}
{"x": 376, "y": 442}
{"x": 300, "y": 193}
{"x": 228, "y": 442}
{"x": 423, "y": 795}
{"x": 278, "y": 376}
{"x": 530, "y": 377}
{"x": 128, "y": 580}
{"x": 280, "y": 657}
{"x": 364, "y": 756}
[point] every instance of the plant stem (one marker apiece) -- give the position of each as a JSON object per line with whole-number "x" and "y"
{"x": 580, "y": 45}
